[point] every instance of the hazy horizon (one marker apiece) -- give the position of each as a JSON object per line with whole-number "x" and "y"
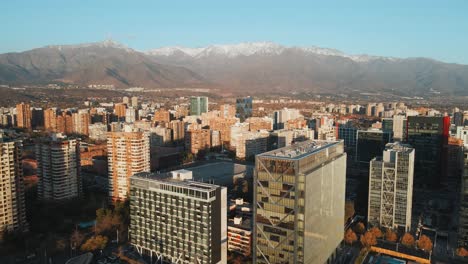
{"x": 397, "y": 29}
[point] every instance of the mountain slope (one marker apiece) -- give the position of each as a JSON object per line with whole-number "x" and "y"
{"x": 246, "y": 67}
{"x": 95, "y": 63}
{"x": 271, "y": 67}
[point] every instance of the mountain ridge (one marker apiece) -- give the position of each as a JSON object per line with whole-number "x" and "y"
{"x": 245, "y": 67}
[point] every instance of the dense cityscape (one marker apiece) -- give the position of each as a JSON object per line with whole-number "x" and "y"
{"x": 234, "y": 132}
{"x": 197, "y": 179}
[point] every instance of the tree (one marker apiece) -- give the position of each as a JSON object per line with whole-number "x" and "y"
{"x": 61, "y": 245}
{"x": 376, "y": 231}
{"x": 95, "y": 243}
{"x": 187, "y": 157}
{"x": 368, "y": 239}
{"x": 407, "y": 240}
{"x": 391, "y": 236}
{"x": 425, "y": 243}
{"x": 462, "y": 252}
{"x": 76, "y": 239}
{"x": 359, "y": 228}
{"x": 350, "y": 237}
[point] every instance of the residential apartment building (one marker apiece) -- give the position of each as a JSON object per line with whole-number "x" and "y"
{"x": 162, "y": 115}
{"x": 23, "y": 115}
{"x": 197, "y": 139}
{"x": 120, "y": 110}
{"x": 81, "y": 121}
{"x": 12, "y": 202}
{"x": 240, "y": 227}
{"x": 227, "y": 111}
{"x": 251, "y": 143}
{"x": 58, "y": 168}
{"x": 127, "y": 153}
{"x": 178, "y": 130}
{"x": 98, "y": 131}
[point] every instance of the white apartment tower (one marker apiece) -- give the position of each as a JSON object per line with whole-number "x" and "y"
{"x": 12, "y": 206}
{"x": 391, "y": 187}
{"x": 127, "y": 154}
{"x": 58, "y": 168}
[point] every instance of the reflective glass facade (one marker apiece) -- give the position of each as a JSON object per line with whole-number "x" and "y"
{"x": 299, "y": 192}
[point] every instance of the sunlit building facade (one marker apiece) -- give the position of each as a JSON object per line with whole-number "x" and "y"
{"x": 299, "y": 193}
{"x": 391, "y": 187}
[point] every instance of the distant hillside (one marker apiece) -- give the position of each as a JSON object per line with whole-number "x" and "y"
{"x": 95, "y": 63}
{"x": 268, "y": 66}
{"x": 251, "y": 67}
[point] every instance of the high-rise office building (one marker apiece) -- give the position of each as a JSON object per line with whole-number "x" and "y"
{"x": 12, "y": 204}
{"x": 428, "y": 135}
{"x": 58, "y": 168}
{"x": 348, "y": 134}
{"x": 453, "y": 162}
{"x": 177, "y": 220}
{"x": 387, "y": 124}
{"x": 463, "y": 211}
{"x": 391, "y": 187}
{"x": 127, "y": 154}
{"x": 37, "y": 117}
{"x": 299, "y": 193}
{"x": 244, "y": 108}
{"x": 370, "y": 144}
{"x": 458, "y": 118}
{"x": 198, "y": 105}
{"x": 23, "y": 115}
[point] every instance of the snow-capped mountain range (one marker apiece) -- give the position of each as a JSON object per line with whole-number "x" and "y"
{"x": 251, "y": 67}
{"x": 103, "y": 44}
{"x": 253, "y": 48}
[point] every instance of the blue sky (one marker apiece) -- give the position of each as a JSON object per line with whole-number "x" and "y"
{"x": 411, "y": 28}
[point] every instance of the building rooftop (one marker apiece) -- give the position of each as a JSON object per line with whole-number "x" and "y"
{"x": 300, "y": 150}
{"x": 168, "y": 178}
{"x": 398, "y": 146}
{"x": 244, "y": 223}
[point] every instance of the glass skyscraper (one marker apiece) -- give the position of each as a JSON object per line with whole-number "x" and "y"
{"x": 299, "y": 193}
{"x": 198, "y": 105}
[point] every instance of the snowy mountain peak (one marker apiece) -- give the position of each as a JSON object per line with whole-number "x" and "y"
{"x": 103, "y": 44}
{"x": 242, "y": 49}
{"x": 252, "y": 48}
{"x": 234, "y": 50}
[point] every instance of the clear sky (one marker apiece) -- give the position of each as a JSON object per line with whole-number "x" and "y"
{"x": 410, "y": 28}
